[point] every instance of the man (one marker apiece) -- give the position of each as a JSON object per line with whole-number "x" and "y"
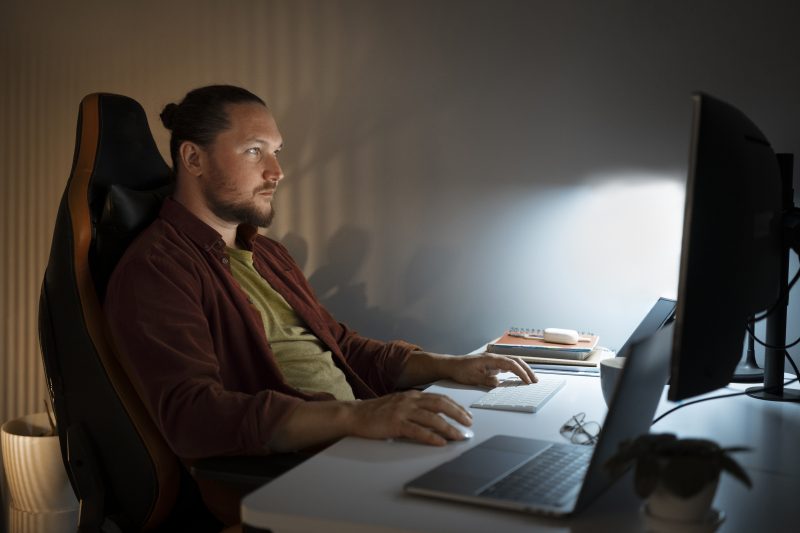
{"x": 220, "y": 331}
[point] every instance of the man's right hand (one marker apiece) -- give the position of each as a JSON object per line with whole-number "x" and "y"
{"x": 411, "y": 414}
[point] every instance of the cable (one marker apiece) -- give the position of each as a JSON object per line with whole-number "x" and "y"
{"x": 749, "y": 326}
{"x": 781, "y": 298}
{"x": 762, "y": 389}
{"x": 791, "y": 362}
{"x": 715, "y": 398}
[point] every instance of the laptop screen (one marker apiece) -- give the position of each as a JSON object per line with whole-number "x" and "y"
{"x": 632, "y": 407}
{"x": 662, "y": 313}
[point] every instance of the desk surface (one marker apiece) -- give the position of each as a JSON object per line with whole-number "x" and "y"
{"x": 356, "y": 484}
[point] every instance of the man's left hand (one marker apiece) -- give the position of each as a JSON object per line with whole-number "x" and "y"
{"x": 482, "y": 369}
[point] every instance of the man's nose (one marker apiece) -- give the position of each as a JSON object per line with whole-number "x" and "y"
{"x": 273, "y": 170}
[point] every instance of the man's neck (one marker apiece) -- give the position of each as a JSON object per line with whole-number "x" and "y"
{"x": 198, "y": 208}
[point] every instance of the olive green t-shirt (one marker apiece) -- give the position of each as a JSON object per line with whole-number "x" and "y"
{"x": 304, "y": 361}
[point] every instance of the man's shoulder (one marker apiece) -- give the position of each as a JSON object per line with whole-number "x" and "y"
{"x": 157, "y": 246}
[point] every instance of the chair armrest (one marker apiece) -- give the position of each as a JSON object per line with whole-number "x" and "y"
{"x": 246, "y": 471}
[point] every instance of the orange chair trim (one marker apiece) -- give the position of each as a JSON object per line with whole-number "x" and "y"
{"x": 166, "y": 462}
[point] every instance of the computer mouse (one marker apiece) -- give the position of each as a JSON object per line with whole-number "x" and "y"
{"x": 466, "y": 432}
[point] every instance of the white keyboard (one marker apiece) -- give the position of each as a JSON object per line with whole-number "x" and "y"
{"x": 514, "y": 395}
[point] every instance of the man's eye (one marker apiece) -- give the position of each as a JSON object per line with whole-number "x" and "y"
{"x": 254, "y": 151}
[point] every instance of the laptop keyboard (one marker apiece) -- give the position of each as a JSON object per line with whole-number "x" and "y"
{"x": 514, "y": 395}
{"x": 547, "y": 478}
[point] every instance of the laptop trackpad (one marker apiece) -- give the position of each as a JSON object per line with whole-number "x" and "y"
{"x": 473, "y": 470}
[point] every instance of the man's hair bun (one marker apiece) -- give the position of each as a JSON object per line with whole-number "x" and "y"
{"x": 201, "y": 116}
{"x": 168, "y": 115}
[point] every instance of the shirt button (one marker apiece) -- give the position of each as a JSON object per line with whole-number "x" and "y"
{"x": 224, "y": 260}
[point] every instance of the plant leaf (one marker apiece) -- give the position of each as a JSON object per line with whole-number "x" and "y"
{"x": 632, "y": 450}
{"x": 734, "y": 449}
{"x": 734, "y": 469}
{"x": 685, "y": 476}
{"x": 646, "y": 476}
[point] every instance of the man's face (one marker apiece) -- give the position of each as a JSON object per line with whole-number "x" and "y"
{"x": 241, "y": 169}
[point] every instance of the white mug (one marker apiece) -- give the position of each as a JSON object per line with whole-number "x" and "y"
{"x": 610, "y": 371}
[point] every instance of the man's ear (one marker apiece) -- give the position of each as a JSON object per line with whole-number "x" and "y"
{"x": 191, "y": 157}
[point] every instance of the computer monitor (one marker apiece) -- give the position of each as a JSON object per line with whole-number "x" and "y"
{"x": 734, "y": 258}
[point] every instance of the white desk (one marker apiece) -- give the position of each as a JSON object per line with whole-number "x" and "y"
{"x": 356, "y": 484}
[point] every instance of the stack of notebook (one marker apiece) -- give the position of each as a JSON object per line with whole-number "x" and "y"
{"x": 586, "y": 353}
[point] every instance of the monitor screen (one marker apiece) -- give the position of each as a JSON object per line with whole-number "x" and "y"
{"x": 731, "y": 249}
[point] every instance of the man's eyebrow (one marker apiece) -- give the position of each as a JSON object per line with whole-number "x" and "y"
{"x": 261, "y": 141}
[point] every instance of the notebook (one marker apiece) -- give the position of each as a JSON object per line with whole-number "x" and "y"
{"x": 481, "y": 475}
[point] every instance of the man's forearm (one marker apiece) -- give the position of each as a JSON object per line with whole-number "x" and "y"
{"x": 409, "y": 414}
{"x": 311, "y": 424}
{"x": 421, "y": 368}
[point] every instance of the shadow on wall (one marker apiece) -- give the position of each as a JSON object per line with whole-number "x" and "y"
{"x": 336, "y": 283}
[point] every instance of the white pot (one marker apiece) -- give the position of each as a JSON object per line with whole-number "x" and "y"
{"x": 37, "y": 480}
{"x": 663, "y": 504}
{"x": 26, "y": 522}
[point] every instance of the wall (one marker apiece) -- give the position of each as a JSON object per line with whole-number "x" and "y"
{"x": 453, "y": 167}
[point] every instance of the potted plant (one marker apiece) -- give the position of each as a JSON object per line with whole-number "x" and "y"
{"x": 676, "y": 477}
{"x": 40, "y": 497}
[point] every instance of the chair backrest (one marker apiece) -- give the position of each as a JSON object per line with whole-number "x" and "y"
{"x": 118, "y": 462}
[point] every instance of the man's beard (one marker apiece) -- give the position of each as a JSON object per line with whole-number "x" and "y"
{"x": 242, "y": 212}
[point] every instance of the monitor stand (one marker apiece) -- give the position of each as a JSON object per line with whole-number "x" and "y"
{"x": 748, "y": 371}
{"x": 774, "y": 353}
{"x": 773, "y": 389}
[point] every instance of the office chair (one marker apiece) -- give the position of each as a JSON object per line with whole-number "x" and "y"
{"x": 122, "y": 470}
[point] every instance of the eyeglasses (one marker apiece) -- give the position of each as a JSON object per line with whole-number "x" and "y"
{"x": 578, "y": 431}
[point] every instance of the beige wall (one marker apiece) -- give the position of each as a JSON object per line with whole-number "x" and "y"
{"x": 436, "y": 152}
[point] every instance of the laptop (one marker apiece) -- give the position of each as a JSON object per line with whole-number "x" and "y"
{"x": 502, "y": 471}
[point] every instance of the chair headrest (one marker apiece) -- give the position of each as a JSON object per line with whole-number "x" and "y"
{"x": 128, "y": 183}
{"x": 126, "y": 153}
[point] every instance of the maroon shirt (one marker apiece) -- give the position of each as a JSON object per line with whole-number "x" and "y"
{"x": 195, "y": 347}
